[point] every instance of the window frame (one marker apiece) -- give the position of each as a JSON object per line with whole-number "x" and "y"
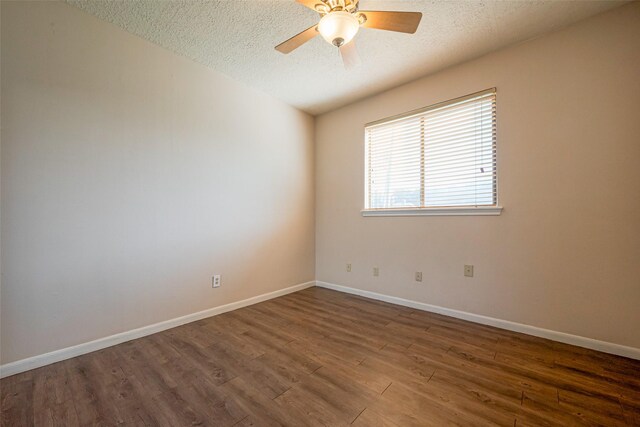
{"x": 481, "y": 210}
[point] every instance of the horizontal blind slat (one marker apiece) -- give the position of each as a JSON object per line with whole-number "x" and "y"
{"x": 434, "y": 109}
{"x": 435, "y": 126}
{"x": 452, "y": 117}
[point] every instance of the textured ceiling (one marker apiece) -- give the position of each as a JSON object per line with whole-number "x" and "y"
{"x": 237, "y": 38}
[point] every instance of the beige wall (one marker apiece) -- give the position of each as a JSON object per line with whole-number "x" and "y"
{"x": 564, "y": 255}
{"x": 130, "y": 176}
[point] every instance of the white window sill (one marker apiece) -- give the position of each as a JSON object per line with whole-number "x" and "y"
{"x": 480, "y": 210}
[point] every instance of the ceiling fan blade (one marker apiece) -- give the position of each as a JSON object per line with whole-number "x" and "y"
{"x": 315, "y": 5}
{"x": 298, "y": 40}
{"x": 402, "y": 22}
{"x": 350, "y": 55}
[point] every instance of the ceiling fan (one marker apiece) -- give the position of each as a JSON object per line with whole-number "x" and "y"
{"x": 339, "y": 22}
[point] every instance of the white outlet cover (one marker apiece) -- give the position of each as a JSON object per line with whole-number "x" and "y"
{"x": 468, "y": 270}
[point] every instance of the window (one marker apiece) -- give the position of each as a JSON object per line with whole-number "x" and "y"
{"x": 437, "y": 160}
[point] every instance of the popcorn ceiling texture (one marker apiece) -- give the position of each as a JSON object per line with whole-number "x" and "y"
{"x": 237, "y": 38}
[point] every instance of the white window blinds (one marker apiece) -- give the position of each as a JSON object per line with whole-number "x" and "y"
{"x": 439, "y": 156}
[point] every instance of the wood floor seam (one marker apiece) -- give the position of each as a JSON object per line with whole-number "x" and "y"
{"x": 354, "y": 420}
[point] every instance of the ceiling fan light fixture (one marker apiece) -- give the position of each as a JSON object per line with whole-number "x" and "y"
{"x": 338, "y": 28}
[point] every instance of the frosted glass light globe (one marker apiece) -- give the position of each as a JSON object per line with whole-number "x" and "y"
{"x": 338, "y": 28}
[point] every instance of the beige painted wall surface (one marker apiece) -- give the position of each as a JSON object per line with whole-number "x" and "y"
{"x": 565, "y": 253}
{"x": 130, "y": 176}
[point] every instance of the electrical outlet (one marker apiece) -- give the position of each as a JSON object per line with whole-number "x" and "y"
{"x": 418, "y": 276}
{"x": 376, "y": 271}
{"x": 215, "y": 281}
{"x": 349, "y": 268}
{"x": 468, "y": 270}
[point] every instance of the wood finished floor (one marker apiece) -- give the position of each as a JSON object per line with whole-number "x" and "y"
{"x": 320, "y": 357}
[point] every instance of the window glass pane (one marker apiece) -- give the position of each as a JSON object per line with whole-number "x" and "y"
{"x": 442, "y": 156}
{"x": 394, "y": 169}
{"x": 459, "y": 161}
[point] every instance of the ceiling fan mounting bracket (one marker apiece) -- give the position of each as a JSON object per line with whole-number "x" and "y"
{"x": 328, "y": 6}
{"x": 321, "y": 8}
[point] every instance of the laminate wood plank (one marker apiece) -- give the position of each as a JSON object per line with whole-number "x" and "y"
{"x": 471, "y": 401}
{"x": 300, "y": 329}
{"x": 57, "y": 415}
{"x": 198, "y": 335}
{"x": 460, "y": 346}
{"x": 210, "y": 402}
{"x": 324, "y": 351}
{"x": 349, "y": 313}
{"x": 172, "y": 409}
{"x": 200, "y": 360}
{"x": 474, "y": 397}
{"x": 383, "y": 414}
{"x": 441, "y": 412}
{"x": 375, "y": 382}
{"x": 563, "y": 378}
{"x": 620, "y": 378}
{"x": 499, "y": 381}
{"x": 273, "y": 375}
{"x": 631, "y": 414}
{"x": 100, "y": 389}
{"x": 238, "y": 342}
{"x": 369, "y": 418}
{"x": 274, "y": 332}
{"x": 592, "y": 408}
{"x": 330, "y": 392}
{"x": 496, "y": 398}
{"x": 50, "y": 386}
{"x": 260, "y": 409}
{"x": 17, "y": 401}
{"x": 317, "y": 412}
{"x": 330, "y": 324}
{"x": 399, "y": 367}
{"x": 545, "y": 412}
{"x": 323, "y": 358}
{"x": 359, "y": 323}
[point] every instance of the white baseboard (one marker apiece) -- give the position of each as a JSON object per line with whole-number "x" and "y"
{"x": 576, "y": 340}
{"x": 88, "y": 347}
{"x": 77, "y": 350}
